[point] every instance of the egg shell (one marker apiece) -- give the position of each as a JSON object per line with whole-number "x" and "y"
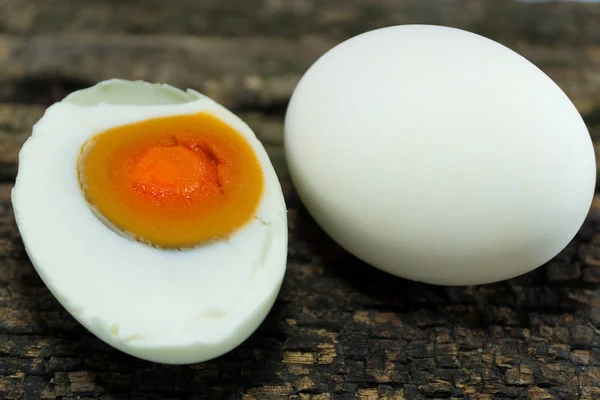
{"x": 171, "y": 307}
{"x": 439, "y": 155}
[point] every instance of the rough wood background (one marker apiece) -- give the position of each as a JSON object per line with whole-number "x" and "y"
{"x": 340, "y": 329}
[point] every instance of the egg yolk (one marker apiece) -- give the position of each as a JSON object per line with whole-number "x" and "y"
{"x": 172, "y": 182}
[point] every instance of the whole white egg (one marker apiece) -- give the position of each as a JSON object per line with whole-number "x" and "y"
{"x": 439, "y": 155}
{"x": 109, "y": 271}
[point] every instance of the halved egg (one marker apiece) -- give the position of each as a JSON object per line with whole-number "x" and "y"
{"x": 155, "y": 217}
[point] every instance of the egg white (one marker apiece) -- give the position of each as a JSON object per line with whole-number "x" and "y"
{"x": 164, "y": 306}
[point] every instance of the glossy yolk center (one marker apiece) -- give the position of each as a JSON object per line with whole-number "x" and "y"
{"x": 172, "y": 182}
{"x": 170, "y": 171}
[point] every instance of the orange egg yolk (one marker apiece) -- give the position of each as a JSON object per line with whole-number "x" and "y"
{"x": 172, "y": 182}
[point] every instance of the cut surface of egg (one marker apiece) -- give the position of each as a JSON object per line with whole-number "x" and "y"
{"x": 439, "y": 155}
{"x": 155, "y": 217}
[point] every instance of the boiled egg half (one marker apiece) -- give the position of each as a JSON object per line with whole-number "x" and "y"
{"x": 155, "y": 217}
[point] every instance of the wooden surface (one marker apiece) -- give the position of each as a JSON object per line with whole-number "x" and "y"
{"x": 339, "y": 329}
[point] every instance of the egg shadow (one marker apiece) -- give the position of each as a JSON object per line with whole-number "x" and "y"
{"x": 382, "y": 289}
{"x": 516, "y": 302}
{"x": 255, "y": 363}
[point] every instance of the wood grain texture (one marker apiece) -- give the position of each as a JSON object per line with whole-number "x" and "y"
{"x": 241, "y": 72}
{"x": 545, "y": 23}
{"x": 339, "y": 329}
{"x": 252, "y": 53}
{"x": 254, "y": 72}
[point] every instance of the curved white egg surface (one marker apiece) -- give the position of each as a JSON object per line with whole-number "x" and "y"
{"x": 439, "y": 155}
{"x": 165, "y": 306}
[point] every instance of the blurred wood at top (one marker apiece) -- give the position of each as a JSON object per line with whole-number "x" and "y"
{"x": 250, "y": 54}
{"x": 504, "y": 20}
